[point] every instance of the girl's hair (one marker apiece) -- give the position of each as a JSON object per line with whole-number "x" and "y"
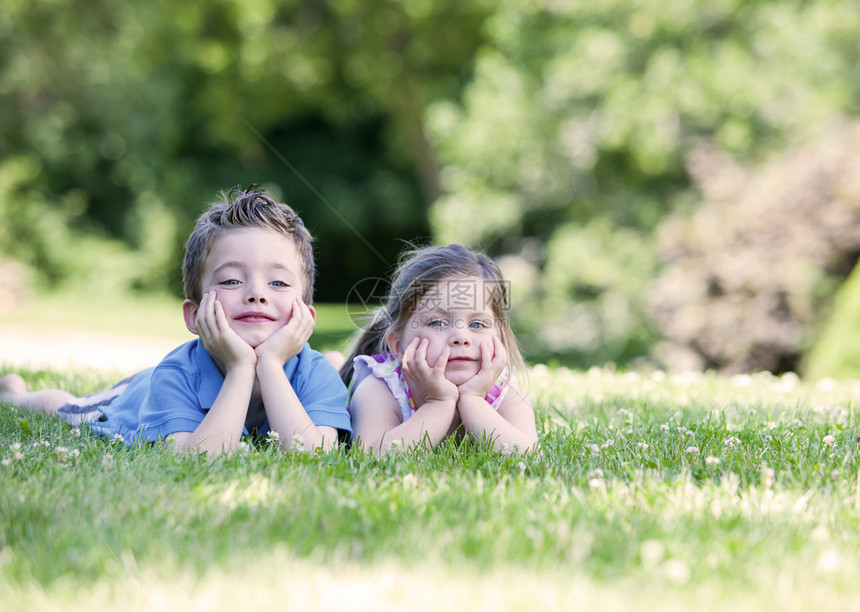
{"x": 418, "y": 271}
{"x": 241, "y": 209}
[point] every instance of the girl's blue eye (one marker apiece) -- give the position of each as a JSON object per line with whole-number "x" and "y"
{"x": 229, "y": 281}
{"x": 280, "y": 284}
{"x": 435, "y": 323}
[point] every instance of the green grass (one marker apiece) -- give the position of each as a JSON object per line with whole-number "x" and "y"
{"x": 651, "y": 492}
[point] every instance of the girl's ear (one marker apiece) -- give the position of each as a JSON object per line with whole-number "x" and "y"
{"x": 189, "y": 313}
{"x": 393, "y": 342}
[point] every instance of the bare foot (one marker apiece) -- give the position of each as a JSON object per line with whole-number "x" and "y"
{"x": 12, "y": 384}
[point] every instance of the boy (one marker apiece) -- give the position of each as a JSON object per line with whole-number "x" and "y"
{"x": 248, "y": 277}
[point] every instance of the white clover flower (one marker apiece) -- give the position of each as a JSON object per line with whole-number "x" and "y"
{"x": 76, "y": 432}
{"x": 829, "y": 562}
{"x": 593, "y": 448}
{"x": 6, "y": 462}
{"x": 242, "y": 447}
{"x": 651, "y": 552}
{"x": 692, "y": 450}
{"x": 521, "y": 467}
{"x": 608, "y": 443}
{"x": 682, "y": 430}
{"x": 74, "y": 453}
{"x": 62, "y": 453}
{"x": 298, "y": 442}
{"x": 677, "y": 571}
{"x": 643, "y": 445}
{"x": 829, "y": 440}
{"x": 107, "y": 460}
{"x": 664, "y": 428}
{"x": 596, "y": 483}
{"x": 16, "y": 447}
{"x": 117, "y": 438}
{"x": 273, "y": 437}
{"x": 711, "y": 460}
{"x": 731, "y": 442}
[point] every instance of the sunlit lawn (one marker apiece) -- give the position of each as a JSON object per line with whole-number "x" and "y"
{"x": 652, "y": 491}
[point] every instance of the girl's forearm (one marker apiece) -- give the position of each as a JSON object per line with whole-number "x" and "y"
{"x": 429, "y": 425}
{"x": 480, "y": 419}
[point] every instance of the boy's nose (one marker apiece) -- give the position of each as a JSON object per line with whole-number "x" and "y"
{"x": 255, "y": 293}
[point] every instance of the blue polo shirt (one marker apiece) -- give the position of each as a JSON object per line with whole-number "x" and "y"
{"x": 175, "y": 395}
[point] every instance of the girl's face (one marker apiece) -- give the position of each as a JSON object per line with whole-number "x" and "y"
{"x": 454, "y": 313}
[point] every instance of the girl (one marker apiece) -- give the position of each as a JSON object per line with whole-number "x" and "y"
{"x": 437, "y": 358}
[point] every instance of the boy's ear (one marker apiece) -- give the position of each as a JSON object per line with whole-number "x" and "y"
{"x": 189, "y": 313}
{"x": 313, "y": 312}
{"x": 393, "y": 342}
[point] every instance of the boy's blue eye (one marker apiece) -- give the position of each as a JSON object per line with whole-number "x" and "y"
{"x": 229, "y": 281}
{"x": 435, "y": 323}
{"x": 479, "y": 324}
{"x": 279, "y": 284}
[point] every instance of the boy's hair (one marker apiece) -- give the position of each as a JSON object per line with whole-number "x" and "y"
{"x": 419, "y": 270}
{"x": 241, "y": 209}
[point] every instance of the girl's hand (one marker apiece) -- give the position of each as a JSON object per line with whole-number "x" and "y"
{"x": 288, "y": 341}
{"x": 494, "y": 358}
{"x": 427, "y": 383}
{"x": 218, "y": 338}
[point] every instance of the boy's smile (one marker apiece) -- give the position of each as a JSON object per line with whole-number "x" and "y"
{"x": 257, "y": 276}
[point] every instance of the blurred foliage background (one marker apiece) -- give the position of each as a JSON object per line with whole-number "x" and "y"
{"x": 665, "y": 183}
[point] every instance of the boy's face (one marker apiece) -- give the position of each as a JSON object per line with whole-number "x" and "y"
{"x": 453, "y": 313}
{"x": 257, "y": 275}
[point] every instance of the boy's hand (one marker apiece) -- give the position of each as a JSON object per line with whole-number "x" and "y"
{"x": 218, "y": 337}
{"x": 427, "y": 383}
{"x": 288, "y": 341}
{"x": 494, "y": 358}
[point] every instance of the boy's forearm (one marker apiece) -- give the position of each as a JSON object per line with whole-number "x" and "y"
{"x": 286, "y": 414}
{"x": 222, "y": 426}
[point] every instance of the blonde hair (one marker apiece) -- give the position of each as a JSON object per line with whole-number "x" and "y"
{"x": 419, "y": 269}
{"x": 250, "y": 208}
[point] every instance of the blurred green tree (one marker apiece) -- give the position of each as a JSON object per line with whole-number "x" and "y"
{"x": 129, "y": 117}
{"x": 568, "y": 147}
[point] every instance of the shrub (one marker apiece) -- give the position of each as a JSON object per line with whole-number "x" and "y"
{"x": 750, "y": 275}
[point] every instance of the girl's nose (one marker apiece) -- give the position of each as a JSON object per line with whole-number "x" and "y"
{"x": 459, "y": 337}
